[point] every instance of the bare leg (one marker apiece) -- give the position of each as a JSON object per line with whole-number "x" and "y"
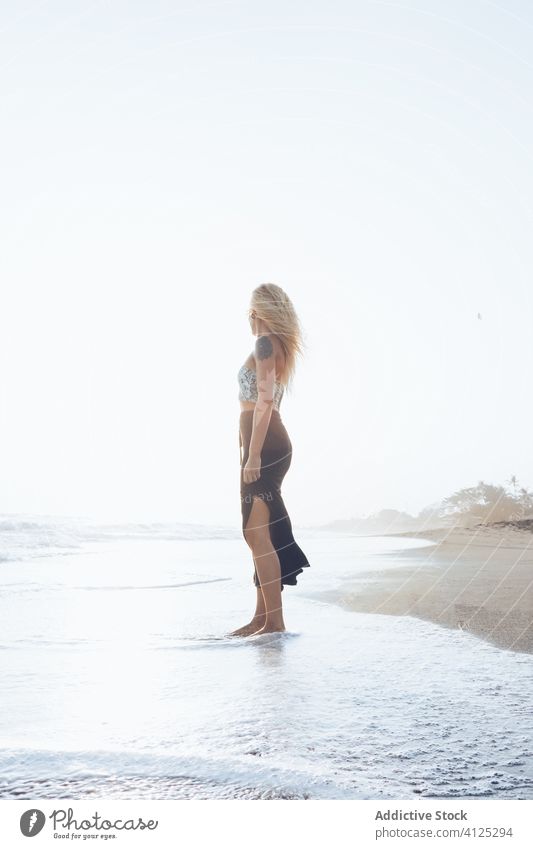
{"x": 257, "y": 621}
{"x": 267, "y": 565}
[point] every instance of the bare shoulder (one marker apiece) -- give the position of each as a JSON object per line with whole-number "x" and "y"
{"x": 265, "y": 347}
{"x": 269, "y": 347}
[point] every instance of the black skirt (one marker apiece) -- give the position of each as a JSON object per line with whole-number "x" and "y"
{"x": 276, "y": 456}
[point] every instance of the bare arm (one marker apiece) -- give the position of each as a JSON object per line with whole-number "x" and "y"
{"x": 266, "y": 375}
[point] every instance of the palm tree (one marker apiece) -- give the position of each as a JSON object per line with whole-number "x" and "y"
{"x": 513, "y": 481}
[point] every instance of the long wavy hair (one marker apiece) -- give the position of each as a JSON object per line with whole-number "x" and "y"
{"x": 275, "y": 308}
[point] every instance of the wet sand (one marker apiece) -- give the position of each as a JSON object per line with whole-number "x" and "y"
{"x": 479, "y": 580}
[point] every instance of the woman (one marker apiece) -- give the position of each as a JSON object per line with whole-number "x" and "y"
{"x": 266, "y": 453}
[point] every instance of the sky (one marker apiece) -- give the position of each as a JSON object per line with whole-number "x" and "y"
{"x": 160, "y": 160}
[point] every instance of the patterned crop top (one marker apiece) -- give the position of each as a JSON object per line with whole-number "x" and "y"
{"x": 248, "y": 387}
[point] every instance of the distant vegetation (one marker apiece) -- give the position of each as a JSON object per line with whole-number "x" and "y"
{"x": 488, "y": 503}
{"x": 482, "y": 503}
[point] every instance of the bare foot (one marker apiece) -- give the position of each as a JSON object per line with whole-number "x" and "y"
{"x": 269, "y": 629}
{"x": 246, "y": 630}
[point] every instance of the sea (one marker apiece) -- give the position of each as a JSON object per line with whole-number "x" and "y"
{"x": 118, "y": 678}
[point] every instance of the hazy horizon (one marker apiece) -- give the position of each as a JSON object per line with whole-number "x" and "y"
{"x": 160, "y": 162}
{"x": 362, "y": 517}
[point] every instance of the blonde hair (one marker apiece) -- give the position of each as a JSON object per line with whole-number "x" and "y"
{"x": 275, "y": 308}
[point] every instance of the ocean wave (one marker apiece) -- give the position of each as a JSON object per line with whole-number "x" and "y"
{"x": 27, "y": 537}
{"x": 26, "y": 773}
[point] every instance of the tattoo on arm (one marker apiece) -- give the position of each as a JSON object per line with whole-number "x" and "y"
{"x": 263, "y": 348}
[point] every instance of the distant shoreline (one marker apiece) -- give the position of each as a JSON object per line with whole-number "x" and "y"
{"x": 479, "y": 580}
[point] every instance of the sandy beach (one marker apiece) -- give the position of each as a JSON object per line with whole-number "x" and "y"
{"x": 476, "y": 579}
